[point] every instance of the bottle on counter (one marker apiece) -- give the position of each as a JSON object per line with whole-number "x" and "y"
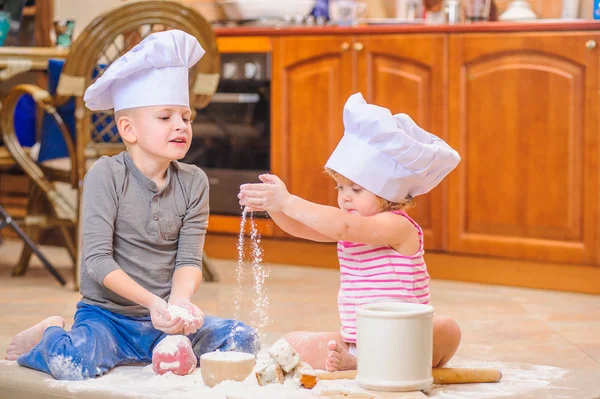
{"x": 453, "y": 12}
{"x": 410, "y": 9}
{"x": 321, "y": 9}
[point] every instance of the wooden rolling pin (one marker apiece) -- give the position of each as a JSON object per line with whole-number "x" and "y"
{"x": 449, "y": 375}
{"x": 442, "y": 375}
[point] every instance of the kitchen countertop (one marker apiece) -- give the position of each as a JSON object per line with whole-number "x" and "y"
{"x": 483, "y": 27}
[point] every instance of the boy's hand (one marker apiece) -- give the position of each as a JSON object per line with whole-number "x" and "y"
{"x": 189, "y": 326}
{"x": 270, "y": 196}
{"x": 161, "y": 318}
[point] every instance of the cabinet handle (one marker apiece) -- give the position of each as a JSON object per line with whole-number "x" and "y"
{"x": 358, "y": 46}
{"x": 591, "y": 44}
{"x": 345, "y": 46}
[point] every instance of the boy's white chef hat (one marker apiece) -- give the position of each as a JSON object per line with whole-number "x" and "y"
{"x": 154, "y": 72}
{"x": 389, "y": 155}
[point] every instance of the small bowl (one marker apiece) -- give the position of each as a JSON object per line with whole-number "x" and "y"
{"x": 216, "y": 367}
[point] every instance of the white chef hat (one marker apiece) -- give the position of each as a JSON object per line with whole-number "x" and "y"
{"x": 154, "y": 72}
{"x": 389, "y": 155}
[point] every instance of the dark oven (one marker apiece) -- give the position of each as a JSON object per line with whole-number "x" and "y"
{"x": 231, "y": 141}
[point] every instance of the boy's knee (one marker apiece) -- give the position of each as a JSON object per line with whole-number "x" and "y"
{"x": 246, "y": 339}
{"x": 74, "y": 358}
{"x": 69, "y": 367}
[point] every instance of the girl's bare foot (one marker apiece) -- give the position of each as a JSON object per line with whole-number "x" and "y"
{"x": 25, "y": 340}
{"x": 339, "y": 359}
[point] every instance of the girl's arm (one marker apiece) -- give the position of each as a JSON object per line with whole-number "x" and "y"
{"x": 286, "y": 223}
{"x": 383, "y": 228}
{"x": 298, "y": 229}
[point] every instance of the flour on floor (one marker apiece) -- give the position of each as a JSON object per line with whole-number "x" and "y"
{"x": 141, "y": 382}
{"x": 517, "y": 380}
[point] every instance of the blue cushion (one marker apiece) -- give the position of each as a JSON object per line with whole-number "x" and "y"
{"x": 25, "y": 121}
{"x": 52, "y": 144}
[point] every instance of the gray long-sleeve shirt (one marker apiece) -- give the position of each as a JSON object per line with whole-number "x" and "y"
{"x": 129, "y": 224}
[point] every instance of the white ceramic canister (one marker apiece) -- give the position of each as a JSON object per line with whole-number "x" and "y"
{"x": 394, "y": 343}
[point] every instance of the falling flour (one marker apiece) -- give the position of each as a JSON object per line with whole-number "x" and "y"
{"x": 239, "y": 273}
{"x": 260, "y": 300}
{"x": 239, "y": 268}
{"x": 260, "y": 313}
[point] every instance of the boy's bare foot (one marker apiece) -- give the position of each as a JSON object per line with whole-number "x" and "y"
{"x": 339, "y": 359}
{"x": 25, "y": 340}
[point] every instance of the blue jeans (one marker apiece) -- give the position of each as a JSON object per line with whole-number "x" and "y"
{"x": 101, "y": 340}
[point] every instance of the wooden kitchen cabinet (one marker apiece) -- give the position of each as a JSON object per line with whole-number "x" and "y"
{"x": 407, "y": 74}
{"x": 311, "y": 80}
{"x": 313, "y": 77}
{"x": 523, "y": 114}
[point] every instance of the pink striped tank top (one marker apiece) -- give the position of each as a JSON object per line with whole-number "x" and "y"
{"x": 370, "y": 273}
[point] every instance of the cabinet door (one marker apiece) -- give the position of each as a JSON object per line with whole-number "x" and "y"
{"x": 312, "y": 78}
{"x": 407, "y": 74}
{"x": 523, "y": 115}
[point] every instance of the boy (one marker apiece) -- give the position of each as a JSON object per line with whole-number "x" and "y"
{"x": 144, "y": 221}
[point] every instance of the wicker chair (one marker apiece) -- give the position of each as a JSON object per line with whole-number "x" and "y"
{"x": 6, "y": 162}
{"x": 59, "y": 181}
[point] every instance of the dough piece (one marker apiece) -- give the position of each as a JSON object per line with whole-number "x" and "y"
{"x": 302, "y": 368}
{"x": 285, "y": 355}
{"x": 269, "y": 373}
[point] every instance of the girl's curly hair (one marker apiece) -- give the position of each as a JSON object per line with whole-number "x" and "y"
{"x": 406, "y": 203}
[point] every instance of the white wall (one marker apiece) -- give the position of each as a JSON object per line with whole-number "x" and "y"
{"x": 82, "y": 11}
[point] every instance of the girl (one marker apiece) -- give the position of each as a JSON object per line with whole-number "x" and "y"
{"x": 381, "y": 163}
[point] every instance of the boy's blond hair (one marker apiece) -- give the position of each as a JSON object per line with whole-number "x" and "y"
{"x": 129, "y": 112}
{"x": 386, "y": 205}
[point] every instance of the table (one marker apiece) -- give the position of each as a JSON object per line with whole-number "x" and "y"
{"x": 15, "y": 60}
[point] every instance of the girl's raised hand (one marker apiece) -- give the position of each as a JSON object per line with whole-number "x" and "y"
{"x": 269, "y": 196}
